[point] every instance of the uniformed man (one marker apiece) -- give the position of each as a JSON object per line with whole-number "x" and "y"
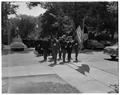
{"x": 45, "y": 48}
{"x": 37, "y": 47}
{"x": 76, "y": 49}
{"x": 69, "y": 47}
{"x": 63, "y": 46}
{"x": 54, "y": 49}
{"x": 59, "y": 48}
{"x": 60, "y": 39}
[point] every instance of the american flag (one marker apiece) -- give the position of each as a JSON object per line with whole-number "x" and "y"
{"x": 79, "y": 36}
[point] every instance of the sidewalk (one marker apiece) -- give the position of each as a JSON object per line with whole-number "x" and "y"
{"x": 92, "y": 82}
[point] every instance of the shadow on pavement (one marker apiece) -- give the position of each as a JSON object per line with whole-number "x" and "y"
{"x": 8, "y": 51}
{"x": 52, "y": 65}
{"x": 76, "y": 61}
{"x": 111, "y": 59}
{"x": 61, "y": 63}
{"x": 42, "y": 61}
{"x": 84, "y": 68}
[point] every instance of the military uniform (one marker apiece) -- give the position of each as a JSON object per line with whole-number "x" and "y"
{"x": 63, "y": 45}
{"x": 45, "y": 49}
{"x": 69, "y": 47}
{"x": 59, "y": 48}
{"x": 69, "y": 50}
{"x": 54, "y": 47}
{"x": 76, "y": 49}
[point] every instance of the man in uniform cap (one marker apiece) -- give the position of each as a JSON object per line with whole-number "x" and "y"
{"x": 63, "y": 46}
{"x": 76, "y": 49}
{"x": 54, "y": 45}
{"x": 69, "y": 47}
{"x": 45, "y": 48}
{"x": 59, "y": 48}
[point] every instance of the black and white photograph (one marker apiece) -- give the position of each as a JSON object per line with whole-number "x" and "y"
{"x": 59, "y": 47}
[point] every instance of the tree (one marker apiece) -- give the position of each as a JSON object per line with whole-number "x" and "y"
{"x": 7, "y": 9}
{"x": 47, "y": 21}
{"x": 113, "y": 18}
{"x": 54, "y": 22}
{"x": 26, "y": 26}
{"x": 99, "y": 15}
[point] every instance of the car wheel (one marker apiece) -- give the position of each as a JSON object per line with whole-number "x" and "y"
{"x": 113, "y": 57}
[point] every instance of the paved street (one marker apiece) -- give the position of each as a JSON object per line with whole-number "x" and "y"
{"x": 95, "y": 72}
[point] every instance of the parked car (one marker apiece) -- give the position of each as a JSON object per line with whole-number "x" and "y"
{"x": 94, "y": 44}
{"x": 112, "y": 51}
{"x": 17, "y": 46}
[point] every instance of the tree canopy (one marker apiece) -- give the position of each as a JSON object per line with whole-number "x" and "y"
{"x": 98, "y": 15}
{"x": 7, "y": 9}
{"x": 60, "y": 18}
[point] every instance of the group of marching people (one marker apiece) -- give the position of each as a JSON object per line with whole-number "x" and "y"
{"x": 60, "y": 46}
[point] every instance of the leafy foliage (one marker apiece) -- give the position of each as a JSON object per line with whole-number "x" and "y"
{"x": 98, "y": 15}
{"x": 7, "y": 9}
{"x": 26, "y": 26}
{"x": 62, "y": 17}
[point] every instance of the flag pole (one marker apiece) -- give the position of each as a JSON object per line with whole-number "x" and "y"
{"x": 83, "y": 23}
{"x": 83, "y": 30}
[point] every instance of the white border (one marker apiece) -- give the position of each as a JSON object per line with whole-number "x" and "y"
{"x": 52, "y": 1}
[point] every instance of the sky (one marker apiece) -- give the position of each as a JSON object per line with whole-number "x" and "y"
{"x": 23, "y": 9}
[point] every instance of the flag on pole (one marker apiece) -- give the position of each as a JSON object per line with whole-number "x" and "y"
{"x": 79, "y": 36}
